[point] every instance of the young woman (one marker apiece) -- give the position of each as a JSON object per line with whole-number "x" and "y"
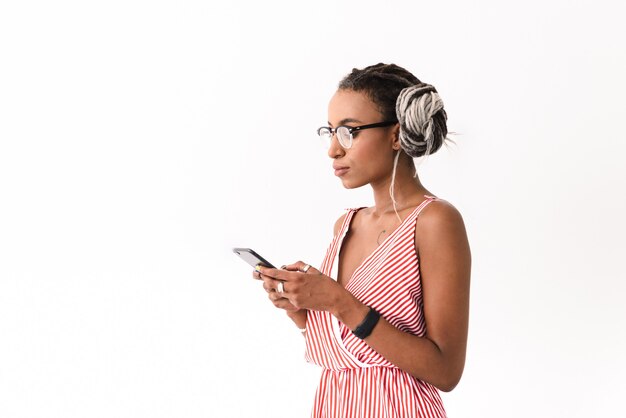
{"x": 386, "y": 314}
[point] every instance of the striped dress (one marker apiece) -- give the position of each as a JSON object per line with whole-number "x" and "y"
{"x": 356, "y": 381}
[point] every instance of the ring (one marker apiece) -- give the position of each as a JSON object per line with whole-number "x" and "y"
{"x": 305, "y": 268}
{"x": 280, "y": 288}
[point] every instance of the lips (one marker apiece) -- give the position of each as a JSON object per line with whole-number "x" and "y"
{"x": 340, "y": 170}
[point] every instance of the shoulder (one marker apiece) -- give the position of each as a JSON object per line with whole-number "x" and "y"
{"x": 339, "y": 222}
{"x": 439, "y": 211}
{"x": 439, "y": 220}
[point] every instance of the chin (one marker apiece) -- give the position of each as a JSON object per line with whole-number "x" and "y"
{"x": 348, "y": 184}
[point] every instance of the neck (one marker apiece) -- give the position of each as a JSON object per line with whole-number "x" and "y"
{"x": 407, "y": 191}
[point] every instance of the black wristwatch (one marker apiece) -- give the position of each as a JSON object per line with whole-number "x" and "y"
{"x": 366, "y": 327}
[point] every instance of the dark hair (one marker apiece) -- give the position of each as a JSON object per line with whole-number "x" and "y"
{"x": 401, "y": 96}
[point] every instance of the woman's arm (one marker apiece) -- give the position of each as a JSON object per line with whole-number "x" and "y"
{"x": 445, "y": 261}
{"x": 437, "y": 358}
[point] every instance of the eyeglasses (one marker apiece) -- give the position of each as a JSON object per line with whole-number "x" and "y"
{"x": 344, "y": 133}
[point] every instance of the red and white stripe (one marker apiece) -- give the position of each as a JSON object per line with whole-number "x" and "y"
{"x": 356, "y": 381}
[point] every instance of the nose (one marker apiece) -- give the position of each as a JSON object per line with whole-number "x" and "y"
{"x": 335, "y": 150}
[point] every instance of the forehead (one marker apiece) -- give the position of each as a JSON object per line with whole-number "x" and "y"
{"x": 349, "y": 104}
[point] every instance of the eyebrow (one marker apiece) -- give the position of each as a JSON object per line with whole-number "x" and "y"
{"x": 346, "y": 120}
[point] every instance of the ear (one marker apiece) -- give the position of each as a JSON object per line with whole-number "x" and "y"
{"x": 396, "y": 137}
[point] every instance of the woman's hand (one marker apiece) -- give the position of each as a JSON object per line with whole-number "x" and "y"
{"x": 301, "y": 290}
{"x": 270, "y": 285}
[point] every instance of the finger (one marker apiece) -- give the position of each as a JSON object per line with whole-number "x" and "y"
{"x": 276, "y": 274}
{"x": 313, "y": 270}
{"x": 283, "y": 303}
{"x": 275, "y": 296}
{"x": 290, "y": 267}
{"x": 293, "y": 266}
{"x": 301, "y": 266}
{"x": 256, "y": 275}
{"x": 269, "y": 284}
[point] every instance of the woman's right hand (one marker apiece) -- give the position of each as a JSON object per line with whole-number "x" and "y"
{"x": 297, "y": 315}
{"x": 270, "y": 285}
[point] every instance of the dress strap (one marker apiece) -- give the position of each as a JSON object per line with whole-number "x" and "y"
{"x": 350, "y": 212}
{"x": 422, "y": 205}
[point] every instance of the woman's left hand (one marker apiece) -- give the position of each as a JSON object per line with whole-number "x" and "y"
{"x": 304, "y": 290}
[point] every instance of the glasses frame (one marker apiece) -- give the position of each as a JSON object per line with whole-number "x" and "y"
{"x": 351, "y": 129}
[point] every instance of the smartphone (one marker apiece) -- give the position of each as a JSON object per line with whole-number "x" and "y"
{"x": 252, "y": 258}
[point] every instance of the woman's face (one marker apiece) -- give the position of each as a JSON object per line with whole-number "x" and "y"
{"x": 370, "y": 159}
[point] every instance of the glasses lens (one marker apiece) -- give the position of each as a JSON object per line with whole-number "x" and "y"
{"x": 344, "y": 136}
{"x": 325, "y": 135}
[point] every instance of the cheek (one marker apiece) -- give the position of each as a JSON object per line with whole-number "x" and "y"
{"x": 375, "y": 161}
{"x": 367, "y": 167}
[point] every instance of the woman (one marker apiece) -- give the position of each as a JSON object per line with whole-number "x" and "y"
{"x": 386, "y": 315}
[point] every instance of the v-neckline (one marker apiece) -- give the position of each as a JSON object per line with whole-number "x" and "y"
{"x": 376, "y": 250}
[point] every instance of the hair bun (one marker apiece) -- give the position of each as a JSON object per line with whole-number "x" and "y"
{"x": 422, "y": 120}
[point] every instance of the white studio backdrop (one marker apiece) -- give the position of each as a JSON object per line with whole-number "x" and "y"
{"x": 140, "y": 141}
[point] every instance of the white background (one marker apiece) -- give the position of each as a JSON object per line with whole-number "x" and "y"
{"x": 140, "y": 141}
